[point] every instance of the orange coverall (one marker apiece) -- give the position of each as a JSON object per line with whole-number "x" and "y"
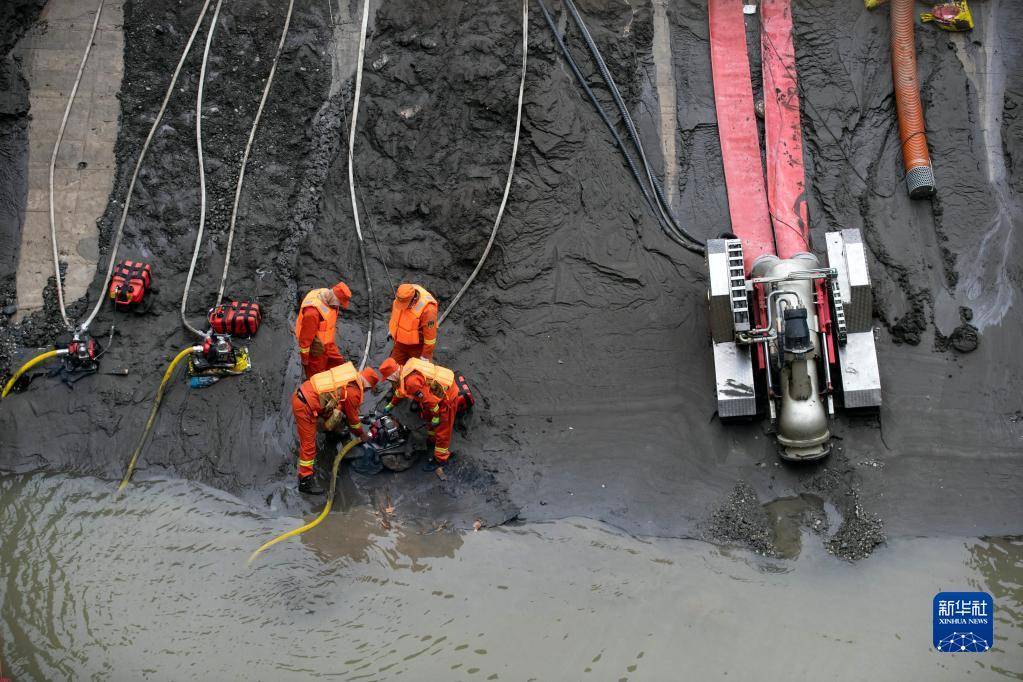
{"x": 439, "y": 411}
{"x": 427, "y": 335}
{"x": 309, "y": 322}
{"x": 305, "y": 404}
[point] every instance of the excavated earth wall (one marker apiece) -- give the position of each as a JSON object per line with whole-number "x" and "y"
{"x": 585, "y": 335}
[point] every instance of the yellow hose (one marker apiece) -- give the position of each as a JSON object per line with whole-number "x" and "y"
{"x": 326, "y": 508}
{"x": 29, "y": 365}
{"x": 152, "y": 414}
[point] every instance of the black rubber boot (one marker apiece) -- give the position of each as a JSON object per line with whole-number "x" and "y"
{"x": 308, "y": 485}
{"x": 432, "y": 464}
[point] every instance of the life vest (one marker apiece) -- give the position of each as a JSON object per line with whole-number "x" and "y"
{"x": 328, "y": 316}
{"x": 335, "y": 381}
{"x": 404, "y": 324}
{"x": 438, "y": 379}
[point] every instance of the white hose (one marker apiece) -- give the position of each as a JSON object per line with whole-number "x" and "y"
{"x": 202, "y": 170}
{"x": 53, "y": 163}
{"x": 248, "y": 148}
{"x": 511, "y": 168}
{"x": 351, "y": 177}
{"x": 138, "y": 166}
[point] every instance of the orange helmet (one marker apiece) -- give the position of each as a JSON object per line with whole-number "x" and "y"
{"x": 370, "y": 377}
{"x": 405, "y": 292}
{"x": 389, "y": 369}
{"x": 415, "y": 382}
{"x": 343, "y": 293}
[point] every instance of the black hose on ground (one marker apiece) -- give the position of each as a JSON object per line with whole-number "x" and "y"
{"x": 607, "y": 121}
{"x": 605, "y": 74}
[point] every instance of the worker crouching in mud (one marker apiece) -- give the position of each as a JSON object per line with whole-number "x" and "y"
{"x": 316, "y": 325}
{"x": 333, "y": 395}
{"x": 441, "y": 395}
{"x": 413, "y": 324}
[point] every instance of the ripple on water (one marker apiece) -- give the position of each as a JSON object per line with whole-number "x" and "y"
{"x": 154, "y": 584}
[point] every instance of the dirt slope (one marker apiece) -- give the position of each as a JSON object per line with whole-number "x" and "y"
{"x": 585, "y": 335}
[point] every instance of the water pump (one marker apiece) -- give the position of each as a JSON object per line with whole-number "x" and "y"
{"x": 790, "y": 337}
{"x": 82, "y": 354}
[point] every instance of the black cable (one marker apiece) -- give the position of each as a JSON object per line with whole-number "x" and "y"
{"x": 605, "y": 74}
{"x": 607, "y": 121}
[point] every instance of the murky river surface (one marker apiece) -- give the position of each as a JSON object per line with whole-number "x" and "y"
{"x": 155, "y": 586}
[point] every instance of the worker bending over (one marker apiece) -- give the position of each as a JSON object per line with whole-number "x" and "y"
{"x": 441, "y": 395}
{"x": 315, "y": 328}
{"x": 334, "y": 395}
{"x": 413, "y": 324}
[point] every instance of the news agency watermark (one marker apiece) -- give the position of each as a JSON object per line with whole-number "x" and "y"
{"x": 964, "y": 622}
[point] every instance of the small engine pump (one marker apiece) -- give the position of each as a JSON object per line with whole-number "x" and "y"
{"x": 218, "y": 351}
{"x": 82, "y": 354}
{"x": 218, "y": 358}
{"x": 389, "y": 446}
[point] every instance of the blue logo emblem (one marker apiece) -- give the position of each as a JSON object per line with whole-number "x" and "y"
{"x": 964, "y": 622}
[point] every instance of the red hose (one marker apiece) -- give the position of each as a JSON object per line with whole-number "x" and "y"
{"x": 915, "y": 158}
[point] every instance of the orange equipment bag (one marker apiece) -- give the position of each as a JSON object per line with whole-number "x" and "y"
{"x": 237, "y": 318}
{"x": 130, "y": 282}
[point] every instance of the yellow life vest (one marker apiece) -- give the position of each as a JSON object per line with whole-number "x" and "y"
{"x": 328, "y": 316}
{"x": 438, "y": 379}
{"x": 404, "y": 324}
{"x": 335, "y": 380}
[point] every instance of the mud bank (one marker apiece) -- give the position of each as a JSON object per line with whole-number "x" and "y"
{"x": 585, "y": 335}
{"x": 16, "y": 18}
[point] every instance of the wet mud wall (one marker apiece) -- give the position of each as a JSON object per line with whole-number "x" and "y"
{"x": 585, "y": 335}
{"x": 16, "y": 17}
{"x": 236, "y": 436}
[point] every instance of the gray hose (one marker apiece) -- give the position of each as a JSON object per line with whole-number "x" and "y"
{"x": 248, "y": 149}
{"x": 53, "y": 162}
{"x": 202, "y": 172}
{"x": 351, "y": 180}
{"x": 665, "y": 227}
{"x": 138, "y": 166}
{"x": 511, "y": 169}
{"x": 605, "y": 74}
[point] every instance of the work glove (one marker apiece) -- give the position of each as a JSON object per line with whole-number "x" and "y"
{"x": 316, "y": 349}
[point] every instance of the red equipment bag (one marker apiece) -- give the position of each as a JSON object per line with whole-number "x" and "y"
{"x": 130, "y": 282}
{"x": 465, "y": 392}
{"x": 237, "y": 318}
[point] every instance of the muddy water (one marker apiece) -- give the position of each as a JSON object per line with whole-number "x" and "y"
{"x": 155, "y": 586}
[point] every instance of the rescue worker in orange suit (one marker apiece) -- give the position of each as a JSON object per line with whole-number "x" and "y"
{"x": 441, "y": 394}
{"x": 315, "y": 327}
{"x": 333, "y": 395}
{"x": 413, "y": 324}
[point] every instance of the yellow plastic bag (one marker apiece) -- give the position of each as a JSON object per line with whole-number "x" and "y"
{"x": 950, "y": 16}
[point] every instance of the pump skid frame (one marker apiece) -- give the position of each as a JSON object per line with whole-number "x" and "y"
{"x": 749, "y": 313}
